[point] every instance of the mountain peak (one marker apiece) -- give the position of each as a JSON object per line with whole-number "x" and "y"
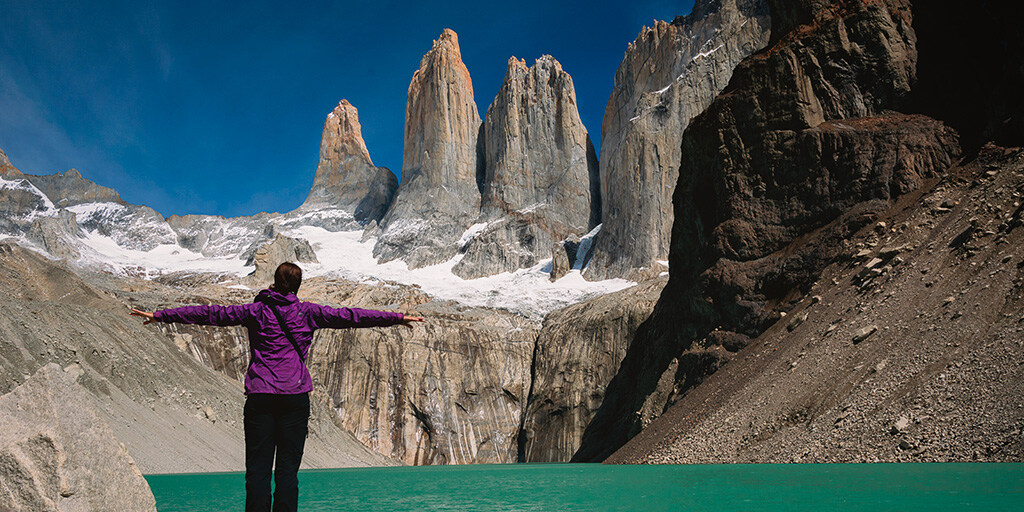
{"x": 345, "y": 175}
{"x": 6, "y": 168}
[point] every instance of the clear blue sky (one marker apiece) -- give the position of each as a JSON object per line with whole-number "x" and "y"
{"x": 217, "y": 107}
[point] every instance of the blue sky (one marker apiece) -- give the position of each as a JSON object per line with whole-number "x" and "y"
{"x": 217, "y": 107}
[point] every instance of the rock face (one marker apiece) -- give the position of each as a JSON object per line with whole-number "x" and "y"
{"x": 670, "y": 74}
{"x": 6, "y": 168}
{"x": 452, "y": 391}
{"x": 578, "y": 352}
{"x": 439, "y": 197}
{"x": 70, "y": 189}
{"x": 940, "y": 376}
{"x": 57, "y": 454}
{"x": 346, "y": 177}
{"x": 796, "y": 154}
{"x": 540, "y": 179}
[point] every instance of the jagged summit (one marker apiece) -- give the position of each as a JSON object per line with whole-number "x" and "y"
{"x": 345, "y": 176}
{"x": 540, "y": 171}
{"x": 6, "y": 168}
{"x": 438, "y": 198}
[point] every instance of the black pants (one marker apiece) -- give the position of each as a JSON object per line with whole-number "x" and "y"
{"x": 274, "y": 423}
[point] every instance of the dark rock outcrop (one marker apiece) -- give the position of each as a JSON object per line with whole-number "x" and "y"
{"x": 346, "y": 177}
{"x": 799, "y": 151}
{"x": 578, "y": 352}
{"x": 908, "y": 348}
{"x": 439, "y": 197}
{"x": 540, "y": 176}
{"x": 57, "y": 454}
{"x": 669, "y": 75}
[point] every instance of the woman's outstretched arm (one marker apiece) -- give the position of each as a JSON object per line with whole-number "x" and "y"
{"x": 201, "y": 315}
{"x": 339, "y": 318}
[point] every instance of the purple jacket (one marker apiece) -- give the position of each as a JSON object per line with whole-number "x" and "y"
{"x": 274, "y": 365}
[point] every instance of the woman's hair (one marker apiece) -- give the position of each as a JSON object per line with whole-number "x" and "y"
{"x": 287, "y": 278}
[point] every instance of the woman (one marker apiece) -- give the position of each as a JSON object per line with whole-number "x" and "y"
{"x": 277, "y": 383}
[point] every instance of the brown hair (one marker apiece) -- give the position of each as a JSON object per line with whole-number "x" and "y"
{"x": 287, "y": 278}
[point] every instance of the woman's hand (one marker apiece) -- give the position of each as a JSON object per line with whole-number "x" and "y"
{"x": 144, "y": 314}
{"x": 408, "y": 320}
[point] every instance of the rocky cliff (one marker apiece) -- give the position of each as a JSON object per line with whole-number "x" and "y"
{"x": 439, "y": 197}
{"x": 578, "y": 352}
{"x": 346, "y": 177}
{"x": 57, "y": 454}
{"x": 799, "y": 151}
{"x": 540, "y": 173}
{"x": 670, "y": 73}
{"x": 907, "y": 349}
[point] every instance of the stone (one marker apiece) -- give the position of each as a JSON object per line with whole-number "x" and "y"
{"x": 345, "y": 176}
{"x": 57, "y": 454}
{"x": 670, "y": 73}
{"x": 451, "y": 391}
{"x": 563, "y": 257}
{"x": 863, "y": 333}
{"x": 279, "y": 250}
{"x": 438, "y": 197}
{"x": 796, "y": 321}
{"x": 540, "y": 180}
{"x": 900, "y": 426}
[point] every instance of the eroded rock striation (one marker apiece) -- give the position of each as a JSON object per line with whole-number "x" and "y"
{"x": 346, "y": 177}
{"x": 670, "y": 73}
{"x": 439, "y": 197}
{"x": 57, "y": 454}
{"x": 578, "y": 352}
{"x": 540, "y": 173}
{"x": 798, "y": 152}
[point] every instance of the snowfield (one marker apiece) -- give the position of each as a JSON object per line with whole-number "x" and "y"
{"x": 528, "y": 292}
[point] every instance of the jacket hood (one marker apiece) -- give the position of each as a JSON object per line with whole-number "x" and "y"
{"x": 270, "y": 297}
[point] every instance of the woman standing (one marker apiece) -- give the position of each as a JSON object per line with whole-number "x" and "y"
{"x": 277, "y": 383}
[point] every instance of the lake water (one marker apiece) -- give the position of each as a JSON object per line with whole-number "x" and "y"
{"x": 595, "y": 487}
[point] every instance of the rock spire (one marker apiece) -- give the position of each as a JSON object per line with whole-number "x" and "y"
{"x": 540, "y": 175}
{"x": 346, "y": 177}
{"x": 439, "y": 197}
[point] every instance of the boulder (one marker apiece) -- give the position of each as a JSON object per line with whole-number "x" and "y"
{"x": 277, "y": 251}
{"x": 57, "y": 455}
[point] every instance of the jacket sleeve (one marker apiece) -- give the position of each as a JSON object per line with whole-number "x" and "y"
{"x": 338, "y": 318}
{"x": 206, "y": 315}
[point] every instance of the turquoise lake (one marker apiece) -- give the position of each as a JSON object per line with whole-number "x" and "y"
{"x": 595, "y": 487}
